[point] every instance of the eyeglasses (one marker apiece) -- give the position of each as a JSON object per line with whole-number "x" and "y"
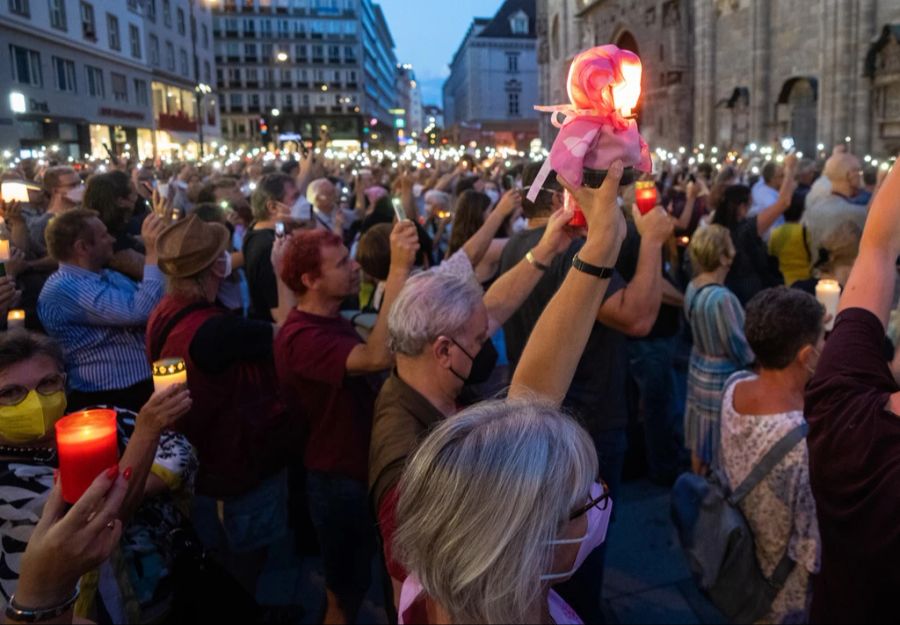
{"x": 15, "y": 394}
{"x": 601, "y": 503}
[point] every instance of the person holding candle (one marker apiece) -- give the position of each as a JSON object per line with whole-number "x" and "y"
{"x": 835, "y": 258}
{"x": 157, "y": 463}
{"x": 720, "y": 347}
{"x": 852, "y": 406}
{"x": 239, "y": 425}
{"x": 98, "y": 315}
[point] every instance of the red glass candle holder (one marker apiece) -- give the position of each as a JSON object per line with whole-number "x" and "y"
{"x": 645, "y": 195}
{"x": 87, "y": 445}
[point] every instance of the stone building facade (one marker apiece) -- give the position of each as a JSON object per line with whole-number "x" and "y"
{"x": 733, "y": 72}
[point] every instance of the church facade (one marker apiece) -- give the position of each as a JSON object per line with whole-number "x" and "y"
{"x": 734, "y": 72}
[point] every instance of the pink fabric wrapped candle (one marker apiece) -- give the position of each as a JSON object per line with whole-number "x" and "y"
{"x": 604, "y": 85}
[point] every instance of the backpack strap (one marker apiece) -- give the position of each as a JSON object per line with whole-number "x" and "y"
{"x": 163, "y": 336}
{"x": 782, "y": 571}
{"x": 775, "y": 455}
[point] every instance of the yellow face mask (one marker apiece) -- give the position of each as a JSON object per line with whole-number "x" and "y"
{"x": 33, "y": 418}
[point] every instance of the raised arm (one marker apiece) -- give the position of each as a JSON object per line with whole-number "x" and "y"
{"x": 375, "y": 355}
{"x": 560, "y": 335}
{"x": 769, "y": 215}
{"x": 634, "y": 309}
{"x": 871, "y": 283}
{"x": 684, "y": 220}
{"x": 512, "y": 288}
{"x": 480, "y": 242}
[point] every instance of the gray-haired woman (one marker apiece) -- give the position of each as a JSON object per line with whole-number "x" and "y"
{"x": 498, "y": 504}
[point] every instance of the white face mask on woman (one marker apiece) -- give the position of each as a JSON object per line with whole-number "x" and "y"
{"x": 597, "y": 524}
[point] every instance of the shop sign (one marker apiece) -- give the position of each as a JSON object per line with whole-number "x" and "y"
{"x": 111, "y": 112}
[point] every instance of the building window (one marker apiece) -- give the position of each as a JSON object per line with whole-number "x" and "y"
{"x": 167, "y": 13}
{"x": 95, "y": 82}
{"x": 65, "y": 74}
{"x": 58, "y": 14}
{"x": 170, "y": 56}
{"x": 112, "y": 26}
{"x": 140, "y": 92}
{"x": 20, "y": 7}
{"x": 150, "y": 9}
{"x": 512, "y": 63}
{"x": 204, "y": 36}
{"x": 134, "y": 34}
{"x": 513, "y": 104}
{"x": 133, "y": 6}
{"x": 518, "y": 23}
{"x": 182, "y": 54}
{"x": 88, "y": 25}
{"x": 154, "y": 50}
{"x": 236, "y": 101}
{"x": 26, "y": 66}
{"x": 207, "y": 72}
{"x": 119, "y": 85}
{"x": 180, "y": 14}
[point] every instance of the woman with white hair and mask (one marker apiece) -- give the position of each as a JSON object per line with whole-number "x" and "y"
{"x": 500, "y": 502}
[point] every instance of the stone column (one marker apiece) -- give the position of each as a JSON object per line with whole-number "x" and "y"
{"x": 704, "y": 72}
{"x": 761, "y": 104}
{"x": 842, "y": 92}
{"x": 862, "y": 114}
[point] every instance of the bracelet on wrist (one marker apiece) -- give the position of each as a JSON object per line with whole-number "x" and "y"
{"x": 22, "y": 614}
{"x": 603, "y": 273}
{"x": 535, "y": 262}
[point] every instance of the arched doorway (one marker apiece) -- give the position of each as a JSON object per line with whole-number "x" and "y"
{"x": 797, "y": 112}
{"x": 626, "y": 41}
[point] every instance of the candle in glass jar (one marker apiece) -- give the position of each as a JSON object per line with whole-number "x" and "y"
{"x": 645, "y": 195}
{"x": 87, "y": 446}
{"x": 828, "y": 292}
{"x": 168, "y": 372}
{"x": 4, "y": 250}
{"x": 15, "y": 319}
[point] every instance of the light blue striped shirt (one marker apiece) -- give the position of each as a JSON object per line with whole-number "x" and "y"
{"x": 99, "y": 319}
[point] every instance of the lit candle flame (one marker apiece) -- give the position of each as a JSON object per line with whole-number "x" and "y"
{"x": 627, "y": 92}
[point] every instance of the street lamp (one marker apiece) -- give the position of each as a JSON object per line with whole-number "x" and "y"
{"x": 276, "y": 112}
{"x": 281, "y": 57}
{"x": 200, "y": 89}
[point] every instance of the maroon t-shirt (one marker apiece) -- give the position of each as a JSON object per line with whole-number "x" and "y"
{"x": 311, "y": 358}
{"x": 854, "y": 457}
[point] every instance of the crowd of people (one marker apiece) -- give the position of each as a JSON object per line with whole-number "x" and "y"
{"x": 413, "y": 365}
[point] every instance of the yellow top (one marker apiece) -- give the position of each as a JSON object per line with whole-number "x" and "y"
{"x": 787, "y": 245}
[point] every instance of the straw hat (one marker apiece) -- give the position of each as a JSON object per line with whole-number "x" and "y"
{"x": 189, "y": 246}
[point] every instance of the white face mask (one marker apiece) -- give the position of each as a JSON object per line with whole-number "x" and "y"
{"x": 301, "y": 209}
{"x": 417, "y": 190}
{"x": 228, "y": 266}
{"x": 519, "y": 224}
{"x": 494, "y": 195}
{"x": 76, "y": 194}
{"x": 597, "y": 524}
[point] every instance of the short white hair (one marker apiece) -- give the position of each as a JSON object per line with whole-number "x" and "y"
{"x": 481, "y": 500}
{"x": 431, "y": 304}
{"x": 437, "y": 197}
{"x": 315, "y": 187}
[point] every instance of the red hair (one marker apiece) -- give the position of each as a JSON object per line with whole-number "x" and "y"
{"x": 304, "y": 256}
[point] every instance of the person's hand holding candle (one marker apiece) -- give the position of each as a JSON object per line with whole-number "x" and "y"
{"x": 605, "y": 220}
{"x": 66, "y": 545}
{"x": 558, "y": 236}
{"x": 163, "y": 409}
{"x": 655, "y": 227}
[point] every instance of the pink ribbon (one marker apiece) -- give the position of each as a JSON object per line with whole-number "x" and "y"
{"x": 593, "y": 133}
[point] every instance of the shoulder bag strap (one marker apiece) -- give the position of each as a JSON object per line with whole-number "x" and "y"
{"x": 163, "y": 336}
{"x": 775, "y": 455}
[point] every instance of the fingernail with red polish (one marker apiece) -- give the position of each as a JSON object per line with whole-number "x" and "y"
{"x": 127, "y": 473}
{"x": 112, "y": 472}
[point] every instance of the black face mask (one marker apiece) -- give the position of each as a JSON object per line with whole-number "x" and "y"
{"x": 483, "y": 363}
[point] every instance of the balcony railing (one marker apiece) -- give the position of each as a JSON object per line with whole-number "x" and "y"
{"x": 177, "y": 121}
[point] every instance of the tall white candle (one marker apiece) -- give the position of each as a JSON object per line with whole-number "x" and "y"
{"x": 15, "y": 319}
{"x": 168, "y": 372}
{"x": 828, "y": 292}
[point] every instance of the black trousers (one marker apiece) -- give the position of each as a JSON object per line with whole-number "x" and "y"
{"x": 131, "y": 398}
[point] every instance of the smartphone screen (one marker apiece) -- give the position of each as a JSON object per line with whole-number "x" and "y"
{"x": 14, "y": 192}
{"x": 279, "y": 229}
{"x": 398, "y": 209}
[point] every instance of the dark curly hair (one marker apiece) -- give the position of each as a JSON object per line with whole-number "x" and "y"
{"x": 102, "y": 194}
{"x": 780, "y": 322}
{"x": 467, "y": 218}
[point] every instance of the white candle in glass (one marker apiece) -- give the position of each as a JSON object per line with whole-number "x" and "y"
{"x": 15, "y": 319}
{"x": 828, "y": 292}
{"x": 168, "y": 372}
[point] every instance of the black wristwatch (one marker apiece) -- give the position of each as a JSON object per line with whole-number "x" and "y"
{"x": 603, "y": 273}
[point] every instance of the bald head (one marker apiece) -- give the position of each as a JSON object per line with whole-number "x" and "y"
{"x": 844, "y": 171}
